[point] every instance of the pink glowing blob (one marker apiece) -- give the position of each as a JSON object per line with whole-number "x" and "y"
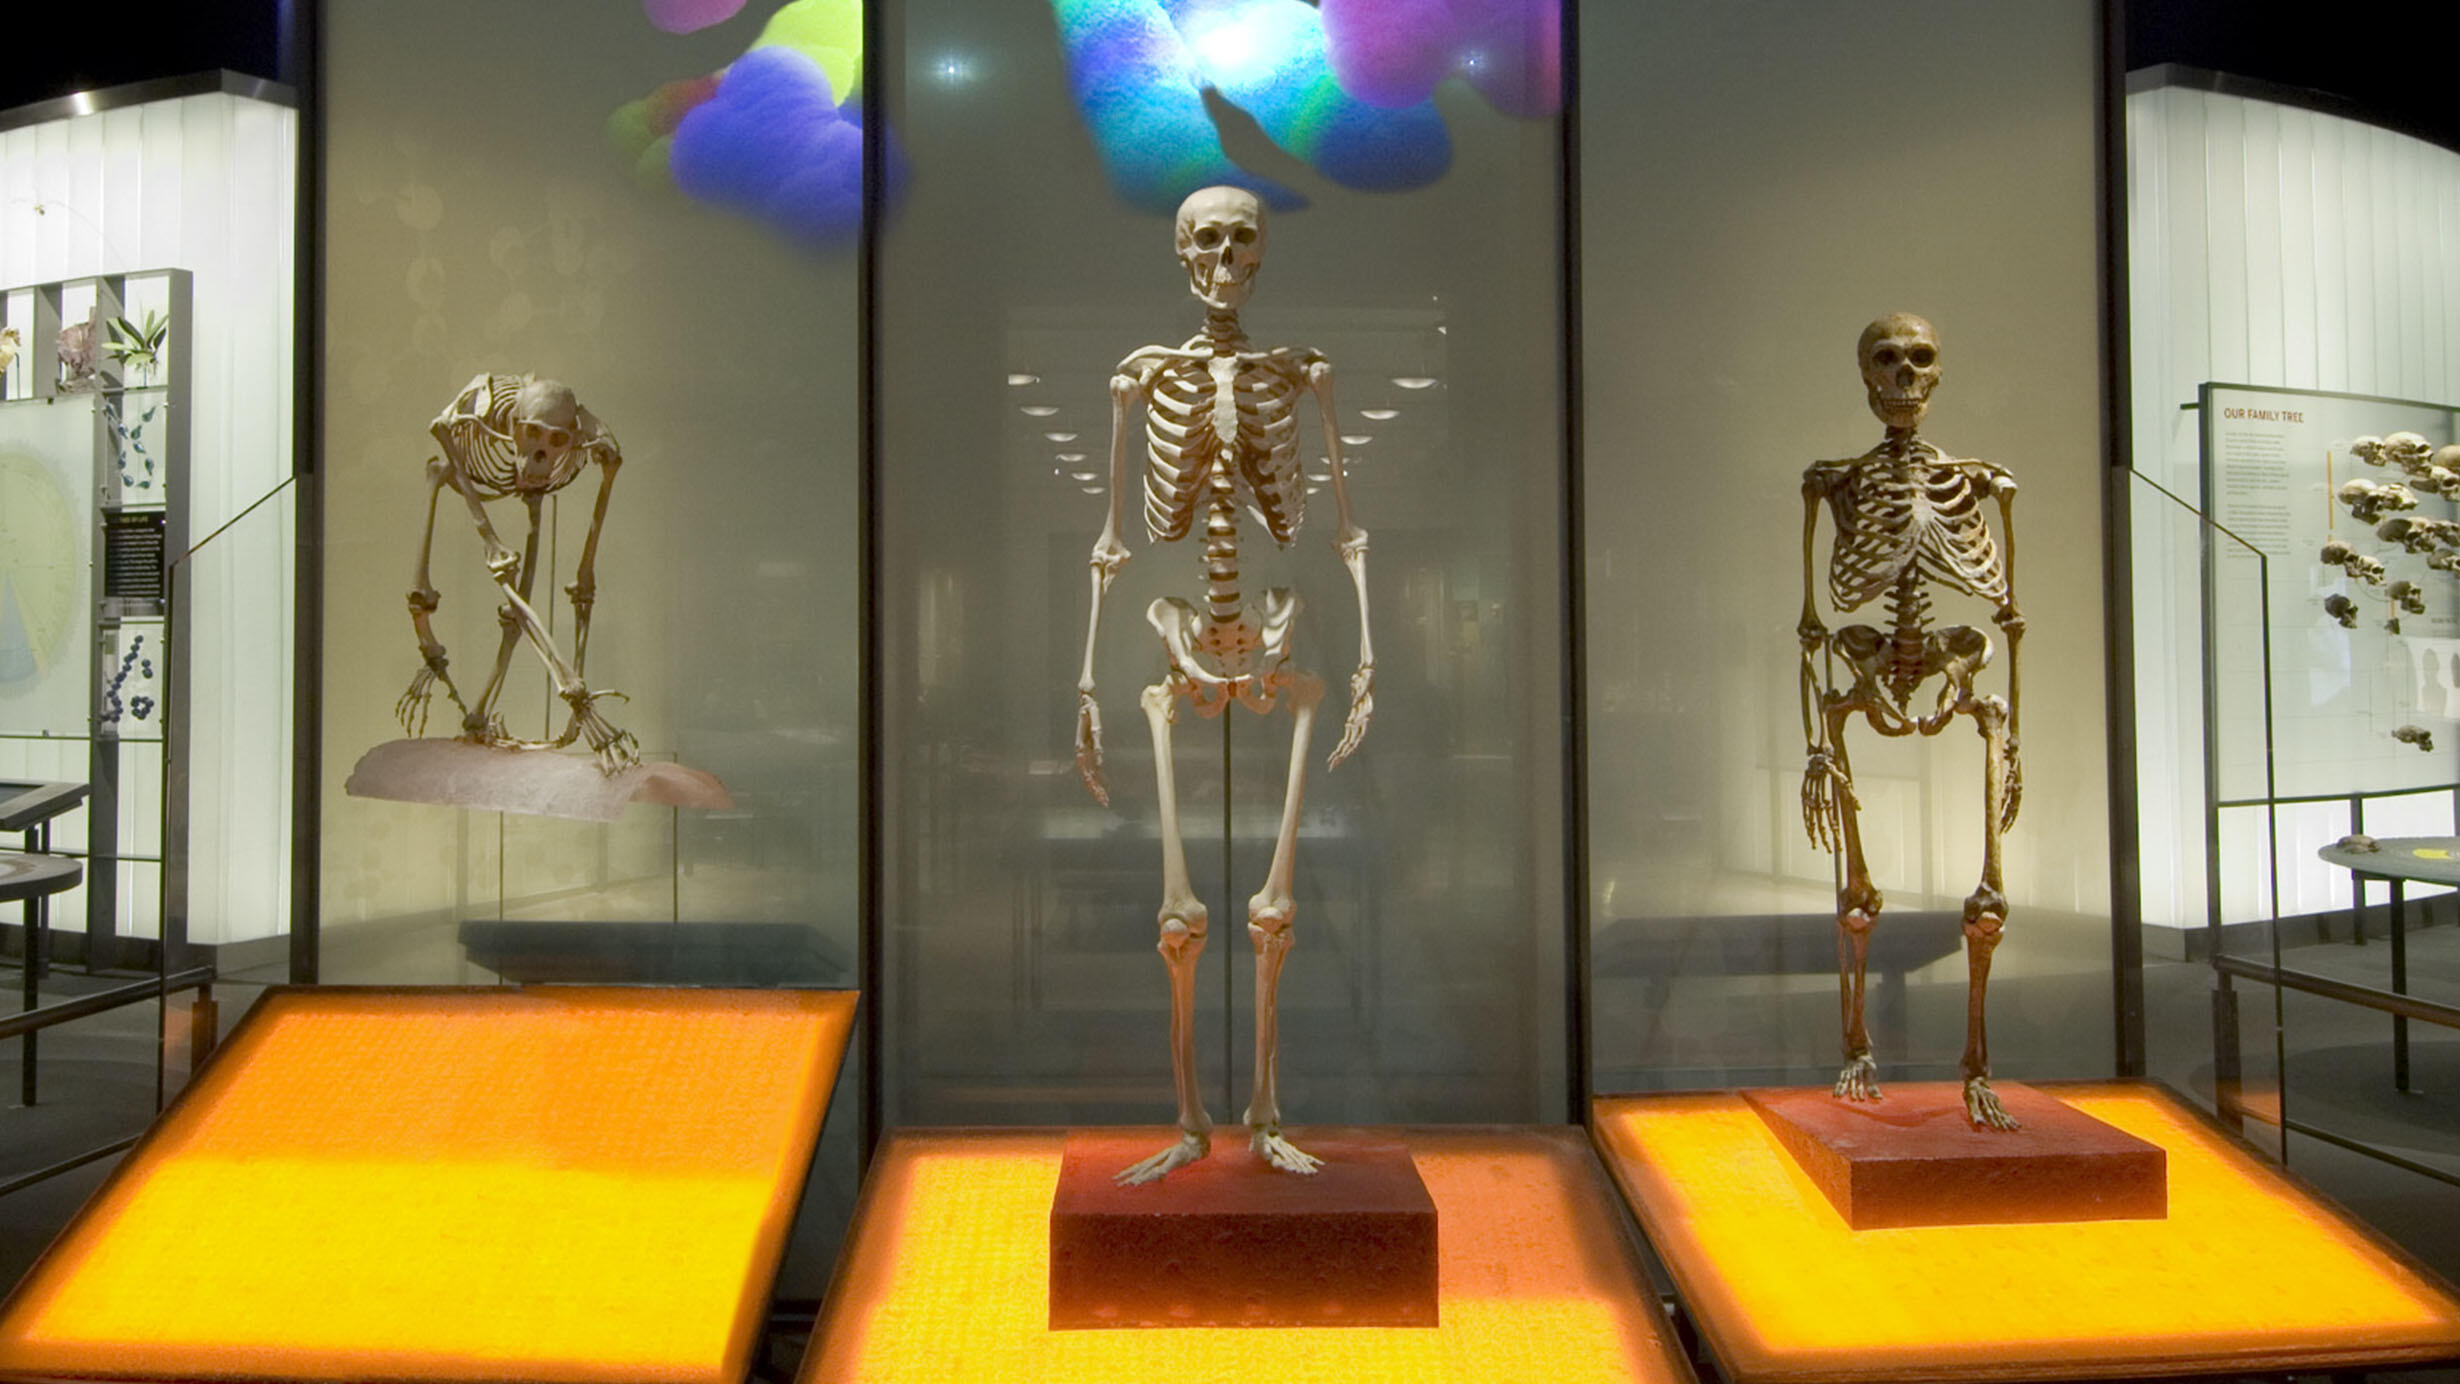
{"x": 1393, "y": 52}
{"x": 685, "y": 16}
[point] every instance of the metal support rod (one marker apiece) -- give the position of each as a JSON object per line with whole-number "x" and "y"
{"x": 2400, "y": 984}
{"x": 2366, "y": 996}
{"x": 32, "y": 1021}
{"x": 38, "y": 928}
{"x": 19, "y": 1184}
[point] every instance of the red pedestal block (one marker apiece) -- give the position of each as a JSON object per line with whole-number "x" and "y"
{"x": 1912, "y": 1158}
{"x": 1232, "y": 1241}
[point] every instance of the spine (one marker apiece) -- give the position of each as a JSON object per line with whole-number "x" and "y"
{"x": 1221, "y": 551}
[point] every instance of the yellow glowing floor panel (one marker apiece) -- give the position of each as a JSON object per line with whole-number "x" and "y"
{"x": 947, "y": 1276}
{"x": 2249, "y": 1274}
{"x": 578, "y": 1185}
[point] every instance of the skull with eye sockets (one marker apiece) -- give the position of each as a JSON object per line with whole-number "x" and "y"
{"x": 1220, "y": 238}
{"x": 1900, "y": 367}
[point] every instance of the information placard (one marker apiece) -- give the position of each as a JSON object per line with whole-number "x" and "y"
{"x": 2357, "y": 682}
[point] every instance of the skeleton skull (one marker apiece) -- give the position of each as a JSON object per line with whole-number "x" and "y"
{"x": 2448, "y": 458}
{"x": 1900, "y": 367}
{"x": 545, "y": 420}
{"x": 2343, "y": 609}
{"x": 1220, "y": 238}
{"x": 2367, "y": 449}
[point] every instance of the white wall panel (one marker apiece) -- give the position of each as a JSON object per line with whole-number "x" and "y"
{"x": 202, "y": 183}
{"x": 2274, "y": 246}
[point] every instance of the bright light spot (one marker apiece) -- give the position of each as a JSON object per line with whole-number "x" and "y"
{"x": 1069, "y": 456}
{"x": 82, "y": 102}
{"x": 953, "y": 69}
{"x": 1249, "y": 44}
{"x": 1356, "y": 439}
{"x": 1020, "y": 381}
{"x": 1083, "y": 476}
{"x": 1379, "y": 415}
{"x": 1038, "y": 410}
{"x": 1060, "y": 437}
{"x": 1414, "y": 381}
{"x": 1091, "y": 489}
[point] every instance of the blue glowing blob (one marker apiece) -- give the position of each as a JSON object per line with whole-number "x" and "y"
{"x": 1140, "y": 70}
{"x": 1137, "y": 87}
{"x": 774, "y": 142}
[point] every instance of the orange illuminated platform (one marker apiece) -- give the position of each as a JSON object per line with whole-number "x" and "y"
{"x": 2249, "y": 1273}
{"x": 945, "y": 1276}
{"x": 569, "y": 1185}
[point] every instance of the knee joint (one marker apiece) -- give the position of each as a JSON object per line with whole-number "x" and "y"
{"x": 1858, "y": 922}
{"x": 424, "y": 600}
{"x": 1183, "y": 932}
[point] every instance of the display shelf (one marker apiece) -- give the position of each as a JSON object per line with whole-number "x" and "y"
{"x": 946, "y": 1273}
{"x": 579, "y": 1185}
{"x": 2249, "y": 1273}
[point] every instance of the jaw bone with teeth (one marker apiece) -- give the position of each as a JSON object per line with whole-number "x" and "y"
{"x": 1220, "y": 237}
{"x": 1900, "y": 367}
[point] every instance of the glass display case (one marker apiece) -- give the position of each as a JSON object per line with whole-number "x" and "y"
{"x": 1309, "y": 563}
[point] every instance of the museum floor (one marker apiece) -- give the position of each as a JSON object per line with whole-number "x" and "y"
{"x": 98, "y": 1084}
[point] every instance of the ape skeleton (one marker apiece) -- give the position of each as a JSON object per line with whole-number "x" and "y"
{"x": 521, "y": 436}
{"x": 1221, "y": 436}
{"x": 1907, "y": 516}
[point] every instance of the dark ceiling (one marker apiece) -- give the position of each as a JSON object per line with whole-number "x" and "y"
{"x": 2382, "y": 59}
{"x": 122, "y": 41}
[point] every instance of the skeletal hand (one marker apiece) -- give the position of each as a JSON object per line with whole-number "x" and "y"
{"x": 1826, "y": 790}
{"x": 411, "y": 710}
{"x": 1089, "y": 747}
{"x": 1362, "y": 707}
{"x": 2015, "y": 785}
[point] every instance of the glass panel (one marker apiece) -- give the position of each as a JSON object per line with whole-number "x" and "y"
{"x": 1743, "y": 217}
{"x": 533, "y": 223}
{"x": 1033, "y": 252}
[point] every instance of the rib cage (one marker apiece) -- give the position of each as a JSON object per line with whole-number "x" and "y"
{"x": 1900, "y": 523}
{"x": 478, "y": 426}
{"x": 1185, "y": 428}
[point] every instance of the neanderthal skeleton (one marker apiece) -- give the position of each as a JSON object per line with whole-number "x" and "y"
{"x": 1221, "y": 437}
{"x": 1908, "y": 518}
{"x": 519, "y": 436}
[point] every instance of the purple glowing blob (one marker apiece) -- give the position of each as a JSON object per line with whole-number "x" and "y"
{"x": 774, "y": 142}
{"x": 1394, "y": 52}
{"x": 686, "y": 16}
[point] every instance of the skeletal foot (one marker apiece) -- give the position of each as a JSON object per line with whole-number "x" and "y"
{"x": 1191, "y": 1146}
{"x": 617, "y": 749}
{"x": 1860, "y": 1080}
{"x": 1983, "y": 1108}
{"x": 1281, "y": 1153}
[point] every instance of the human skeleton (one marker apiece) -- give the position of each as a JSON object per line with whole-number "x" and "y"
{"x": 1908, "y": 517}
{"x": 520, "y": 436}
{"x": 1221, "y": 436}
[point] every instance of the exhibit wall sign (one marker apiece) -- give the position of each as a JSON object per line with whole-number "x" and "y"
{"x": 2350, "y": 667}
